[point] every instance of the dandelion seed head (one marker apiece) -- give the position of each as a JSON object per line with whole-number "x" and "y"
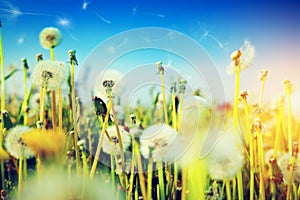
{"x": 50, "y": 37}
{"x": 113, "y": 146}
{"x": 160, "y": 139}
{"x": 225, "y": 160}
{"x": 116, "y": 77}
{"x": 14, "y": 144}
{"x": 284, "y": 163}
{"x": 242, "y": 58}
{"x": 50, "y": 74}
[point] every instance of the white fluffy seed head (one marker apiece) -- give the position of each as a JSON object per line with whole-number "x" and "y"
{"x": 50, "y": 74}
{"x": 50, "y": 37}
{"x": 14, "y": 145}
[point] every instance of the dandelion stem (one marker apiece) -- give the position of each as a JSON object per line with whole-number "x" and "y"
{"x": 20, "y": 177}
{"x": 54, "y": 110}
{"x": 183, "y": 182}
{"x": 164, "y": 95}
{"x": 112, "y": 171}
{"x": 289, "y": 122}
{"x": 228, "y": 190}
{"x": 25, "y": 98}
{"x": 149, "y": 178}
{"x": 98, "y": 151}
{"x": 42, "y": 103}
{"x": 60, "y": 109}
{"x": 131, "y": 179}
{"x": 261, "y": 92}
{"x": 261, "y": 165}
{"x": 174, "y": 117}
{"x": 161, "y": 181}
{"x": 180, "y": 113}
{"x": 74, "y": 116}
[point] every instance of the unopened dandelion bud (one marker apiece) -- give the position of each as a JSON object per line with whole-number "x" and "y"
{"x": 72, "y": 55}
{"x": 25, "y": 64}
{"x": 264, "y": 74}
{"x": 133, "y": 118}
{"x": 173, "y": 87}
{"x": 160, "y": 68}
{"x": 182, "y": 86}
{"x": 39, "y": 124}
{"x": 39, "y": 57}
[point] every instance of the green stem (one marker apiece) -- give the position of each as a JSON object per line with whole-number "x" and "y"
{"x": 25, "y": 98}
{"x": 183, "y": 182}
{"x": 112, "y": 171}
{"x": 149, "y": 178}
{"x": 161, "y": 181}
{"x": 164, "y": 96}
{"x": 98, "y": 151}
{"x": 74, "y": 117}
{"x": 228, "y": 191}
{"x": 179, "y": 121}
{"x": 20, "y": 177}
{"x": 174, "y": 117}
{"x": 240, "y": 185}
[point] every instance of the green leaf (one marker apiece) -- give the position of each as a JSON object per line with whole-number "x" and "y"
{"x": 10, "y": 74}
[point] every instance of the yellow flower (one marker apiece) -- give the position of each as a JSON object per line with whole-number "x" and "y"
{"x": 3, "y": 154}
{"x": 45, "y": 143}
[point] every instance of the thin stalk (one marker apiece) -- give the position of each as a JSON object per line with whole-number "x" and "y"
{"x": 272, "y": 184}
{"x": 98, "y": 151}
{"x": 290, "y": 145}
{"x": 228, "y": 190}
{"x": 25, "y": 97}
{"x": 161, "y": 181}
{"x": 174, "y": 116}
{"x": 261, "y": 92}
{"x": 149, "y": 178}
{"x": 183, "y": 182}
{"x": 164, "y": 96}
{"x": 179, "y": 121}
{"x": 112, "y": 171}
{"x": 140, "y": 170}
{"x": 234, "y": 188}
{"x": 54, "y": 110}
{"x": 42, "y": 103}
{"x": 20, "y": 177}
{"x": 74, "y": 116}
{"x": 261, "y": 166}
{"x": 291, "y": 169}
{"x": 60, "y": 109}
{"x": 175, "y": 179}
{"x": 240, "y": 184}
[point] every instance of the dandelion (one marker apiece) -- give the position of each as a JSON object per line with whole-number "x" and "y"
{"x": 242, "y": 58}
{"x": 116, "y": 77}
{"x": 284, "y": 163}
{"x": 50, "y": 74}
{"x": 159, "y": 141}
{"x": 15, "y": 145}
{"x": 225, "y": 160}
{"x": 45, "y": 143}
{"x": 39, "y": 57}
{"x": 112, "y": 147}
{"x": 50, "y": 37}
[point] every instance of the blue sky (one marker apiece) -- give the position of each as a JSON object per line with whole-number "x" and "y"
{"x": 220, "y": 27}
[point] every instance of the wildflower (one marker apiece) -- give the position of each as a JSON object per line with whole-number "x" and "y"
{"x": 242, "y": 58}
{"x": 116, "y": 77}
{"x": 50, "y": 74}
{"x": 14, "y": 143}
{"x": 284, "y": 163}
{"x": 160, "y": 142}
{"x": 45, "y": 143}
{"x": 112, "y": 147}
{"x": 50, "y": 37}
{"x": 225, "y": 160}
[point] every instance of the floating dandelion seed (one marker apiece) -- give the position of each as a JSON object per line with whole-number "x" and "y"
{"x": 50, "y": 37}
{"x": 162, "y": 141}
{"x": 64, "y": 22}
{"x": 242, "y": 58}
{"x": 14, "y": 144}
{"x": 225, "y": 160}
{"x": 50, "y": 74}
{"x": 85, "y": 7}
{"x": 112, "y": 147}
